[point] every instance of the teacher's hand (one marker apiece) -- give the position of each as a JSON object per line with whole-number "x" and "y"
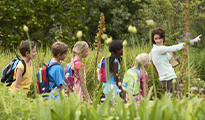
{"x": 197, "y": 39}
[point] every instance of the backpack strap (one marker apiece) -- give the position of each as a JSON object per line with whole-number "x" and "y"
{"x": 137, "y": 71}
{"x": 66, "y": 68}
{"x": 49, "y": 66}
{"x": 24, "y": 64}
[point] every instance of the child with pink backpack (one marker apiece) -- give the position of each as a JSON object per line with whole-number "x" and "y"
{"x": 113, "y": 82}
{"x": 76, "y": 78}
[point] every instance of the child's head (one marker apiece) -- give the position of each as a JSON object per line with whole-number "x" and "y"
{"x": 59, "y": 50}
{"x": 158, "y": 31}
{"x": 142, "y": 58}
{"x": 24, "y": 48}
{"x": 80, "y": 48}
{"x": 116, "y": 50}
{"x": 116, "y": 47}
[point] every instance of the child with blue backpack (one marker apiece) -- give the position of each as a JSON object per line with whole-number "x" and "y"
{"x": 80, "y": 50}
{"x": 24, "y": 70}
{"x": 55, "y": 72}
{"x": 136, "y": 79}
{"x": 113, "y": 83}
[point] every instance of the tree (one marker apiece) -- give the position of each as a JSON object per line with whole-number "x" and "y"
{"x": 48, "y": 20}
{"x": 118, "y": 16}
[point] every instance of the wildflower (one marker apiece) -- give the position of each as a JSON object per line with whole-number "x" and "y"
{"x": 104, "y": 36}
{"x": 194, "y": 88}
{"x": 150, "y": 23}
{"x": 124, "y": 43}
{"x": 134, "y": 29}
{"x": 79, "y": 34}
{"x": 130, "y": 28}
{"x": 109, "y": 40}
{"x": 25, "y": 28}
{"x": 174, "y": 81}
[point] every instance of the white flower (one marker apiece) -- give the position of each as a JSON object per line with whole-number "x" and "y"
{"x": 174, "y": 81}
{"x": 25, "y": 28}
{"x": 79, "y": 34}
{"x": 130, "y": 28}
{"x": 134, "y": 29}
{"x": 194, "y": 88}
{"x": 124, "y": 43}
{"x": 109, "y": 40}
{"x": 104, "y": 36}
{"x": 150, "y": 23}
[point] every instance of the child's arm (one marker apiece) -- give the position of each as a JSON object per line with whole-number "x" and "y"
{"x": 19, "y": 73}
{"x": 83, "y": 85}
{"x": 117, "y": 80}
{"x": 61, "y": 88}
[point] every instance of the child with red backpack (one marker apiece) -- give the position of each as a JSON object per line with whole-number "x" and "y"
{"x": 50, "y": 78}
{"x": 116, "y": 50}
{"x": 80, "y": 50}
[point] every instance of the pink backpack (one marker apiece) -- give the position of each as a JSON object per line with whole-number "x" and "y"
{"x": 101, "y": 70}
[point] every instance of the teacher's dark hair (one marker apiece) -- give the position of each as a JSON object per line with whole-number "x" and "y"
{"x": 160, "y": 32}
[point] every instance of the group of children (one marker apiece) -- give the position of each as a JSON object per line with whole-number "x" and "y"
{"x": 135, "y": 79}
{"x": 80, "y": 50}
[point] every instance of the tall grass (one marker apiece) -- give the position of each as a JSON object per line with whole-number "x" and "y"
{"x": 19, "y": 106}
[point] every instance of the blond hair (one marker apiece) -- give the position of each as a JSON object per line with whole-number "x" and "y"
{"x": 59, "y": 47}
{"x": 78, "y": 48}
{"x": 141, "y": 58}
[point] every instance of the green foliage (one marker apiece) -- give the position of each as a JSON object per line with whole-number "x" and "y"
{"x": 168, "y": 14}
{"x": 47, "y": 20}
{"x": 118, "y": 16}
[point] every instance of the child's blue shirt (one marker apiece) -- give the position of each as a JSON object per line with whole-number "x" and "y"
{"x": 111, "y": 83}
{"x": 56, "y": 78}
{"x": 55, "y": 75}
{"x": 112, "y": 78}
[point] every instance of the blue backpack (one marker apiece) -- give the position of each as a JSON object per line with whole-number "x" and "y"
{"x": 8, "y": 71}
{"x": 43, "y": 79}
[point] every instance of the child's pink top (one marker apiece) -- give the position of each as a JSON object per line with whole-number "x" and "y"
{"x": 142, "y": 83}
{"x": 77, "y": 89}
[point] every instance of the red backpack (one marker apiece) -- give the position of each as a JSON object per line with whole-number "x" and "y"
{"x": 42, "y": 78}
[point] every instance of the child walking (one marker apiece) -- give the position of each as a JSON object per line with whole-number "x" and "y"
{"x": 80, "y": 50}
{"x": 116, "y": 50}
{"x": 25, "y": 80}
{"x": 135, "y": 79}
{"x": 55, "y": 73}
